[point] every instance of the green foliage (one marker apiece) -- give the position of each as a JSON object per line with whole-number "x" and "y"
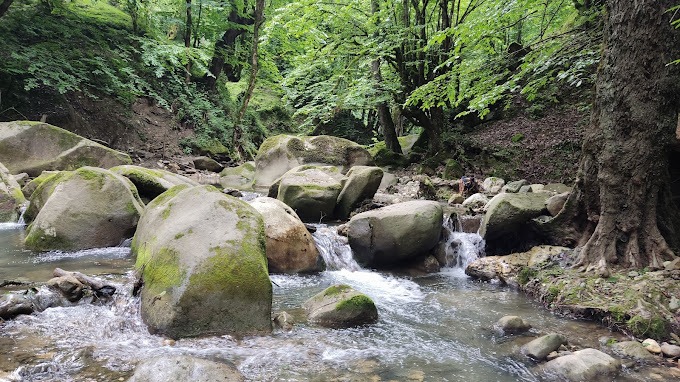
{"x": 517, "y": 138}
{"x": 526, "y": 274}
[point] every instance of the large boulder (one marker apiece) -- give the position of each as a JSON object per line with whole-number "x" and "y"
{"x": 240, "y": 177}
{"x": 87, "y": 208}
{"x": 583, "y": 365}
{"x": 33, "y": 184}
{"x": 362, "y": 183}
{"x": 202, "y": 258}
{"x": 32, "y": 147}
{"x": 634, "y": 350}
{"x": 11, "y": 197}
{"x": 151, "y": 182}
{"x": 290, "y": 246}
{"x": 311, "y": 191}
{"x": 281, "y": 153}
{"x": 184, "y": 368}
{"x": 504, "y": 226}
{"x": 340, "y": 306}
{"x": 396, "y": 233}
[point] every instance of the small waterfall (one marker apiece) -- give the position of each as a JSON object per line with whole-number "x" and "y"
{"x": 461, "y": 248}
{"x": 22, "y": 211}
{"x": 334, "y": 249}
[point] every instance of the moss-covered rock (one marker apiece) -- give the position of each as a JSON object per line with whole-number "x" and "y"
{"x": 11, "y": 197}
{"x": 312, "y": 191}
{"x": 340, "y": 306}
{"x": 151, "y": 182}
{"x": 362, "y": 183}
{"x": 281, "y": 153}
{"x": 203, "y": 261}
{"x": 395, "y": 234}
{"x": 290, "y": 246}
{"x": 34, "y": 183}
{"x": 87, "y": 208}
{"x": 384, "y": 157}
{"x": 240, "y": 177}
{"x": 33, "y": 147}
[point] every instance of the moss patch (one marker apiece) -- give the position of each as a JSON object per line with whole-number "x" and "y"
{"x": 336, "y": 289}
{"x": 356, "y": 304}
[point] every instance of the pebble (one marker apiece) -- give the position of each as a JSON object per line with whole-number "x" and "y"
{"x": 651, "y": 346}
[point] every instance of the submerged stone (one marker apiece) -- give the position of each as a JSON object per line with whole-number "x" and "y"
{"x": 340, "y": 306}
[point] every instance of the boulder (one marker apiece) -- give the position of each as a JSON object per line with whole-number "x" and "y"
{"x": 396, "y": 233}
{"x": 555, "y": 203}
{"x": 281, "y": 153}
{"x": 11, "y": 197}
{"x": 21, "y": 178}
{"x": 290, "y": 247}
{"x": 493, "y": 185}
{"x": 340, "y": 306}
{"x": 583, "y": 365}
{"x": 556, "y": 188}
{"x": 87, "y": 208}
{"x": 671, "y": 351}
{"x": 476, "y": 201}
{"x": 184, "y": 368}
{"x": 652, "y": 346}
{"x": 202, "y": 258}
{"x": 151, "y": 183}
{"x": 312, "y": 191}
{"x": 33, "y": 147}
{"x": 239, "y": 177}
{"x": 506, "y": 268}
{"x": 32, "y": 185}
{"x": 456, "y": 199}
{"x": 513, "y": 187}
{"x": 540, "y": 347}
{"x": 362, "y": 183}
{"x": 632, "y": 349}
{"x": 388, "y": 180}
{"x": 207, "y": 164}
{"x": 511, "y": 325}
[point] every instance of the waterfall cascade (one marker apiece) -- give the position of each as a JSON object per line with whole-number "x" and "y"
{"x": 461, "y": 248}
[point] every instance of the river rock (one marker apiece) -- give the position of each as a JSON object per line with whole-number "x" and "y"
{"x": 69, "y": 286}
{"x": 151, "y": 182}
{"x": 11, "y": 197}
{"x": 506, "y": 268}
{"x": 556, "y": 188}
{"x": 555, "y": 203}
{"x": 283, "y": 320}
{"x": 671, "y": 351}
{"x": 396, "y": 233}
{"x": 280, "y": 153}
{"x": 207, "y": 163}
{"x": 86, "y": 208}
{"x": 290, "y": 247}
{"x": 511, "y": 325}
{"x": 14, "y": 304}
{"x": 652, "y": 346}
{"x": 33, "y": 184}
{"x": 239, "y": 177}
{"x": 340, "y": 306}
{"x": 184, "y": 368}
{"x": 202, "y": 258}
{"x": 33, "y": 147}
{"x": 583, "y": 365}
{"x": 632, "y": 349}
{"x": 476, "y": 201}
{"x": 493, "y": 185}
{"x": 456, "y": 199}
{"x": 312, "y": 191}
{"x": 540, "y": 347}
{"x": 513, "y": 187}
{"x": 361, "y": 183}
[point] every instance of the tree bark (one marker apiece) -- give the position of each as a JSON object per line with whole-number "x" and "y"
{"x": 4, "y": 6}
{"x": 224, "y": 46}
{"x": 620, "y": 209}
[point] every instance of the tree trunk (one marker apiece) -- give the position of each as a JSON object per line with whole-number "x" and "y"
{"x": 4, "y": 6}
{"x": 187, "y": 40}
{"x": 620, "y": 209}
{"x": 224, "y": 46}
{"x": 254, "y": 67}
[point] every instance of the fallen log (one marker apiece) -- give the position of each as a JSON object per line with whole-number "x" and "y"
{"x": 100, "y": 287}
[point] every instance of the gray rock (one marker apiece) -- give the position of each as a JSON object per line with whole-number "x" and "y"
{"x": 361, "y": 183}
{"x": 69, "y": 286}
{"x": 204, "y": 265}
{"x": 540, "y": 347}
{"x": 340, "y": 306}
{"x": 283, "y": 320}
{"x": 11, "y": 197}
{"x": 671, "y": 351}
{"x": 476, "y": 201}
{"x": 632, "y": 349}
{"x": 513, "y": 187}
{"x": 207, "y": 163}
{"x": 493, "y": 185}
{"x": 396, "y": 233}
{"x": 511, "y": 325}
{"x": 184, "y": 368}
{"x": 151, "y": 182}
{"x": 240, "y": 177}
{"x": 652, "y": 346}
{"x": 582, "y": 365}
{"x": 311, "y": 191}
{"x": 22, "y": 178}
{"x": 556, "y": 188}
{"x": 555, "y": 203}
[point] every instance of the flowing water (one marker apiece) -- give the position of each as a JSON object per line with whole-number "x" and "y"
{"x": 434, "y": 328}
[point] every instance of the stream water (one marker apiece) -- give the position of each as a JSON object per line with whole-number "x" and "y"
{"x": 433, "y": 328}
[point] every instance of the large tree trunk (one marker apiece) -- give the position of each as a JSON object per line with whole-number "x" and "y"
{"x": 4, "y": 6}
{"x": 384, "y": 115}
{"x": 223, "y": 47}
{"x": 620, "y": 209}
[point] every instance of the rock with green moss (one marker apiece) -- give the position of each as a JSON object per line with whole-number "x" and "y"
{"x": 87, "y": 208}
{"x": 11, "y": 197}
{"x": 281, "y": 153}
{"x": 33, "y": 147}
{"x": 33, "y": 184}
{"x": 207, "y": 163}
{"x": 240, "y": 177}
{"x": 509, "y": 269}
{"x": 290, "y": 246}
{"x": 312, "y": 191}
{"x": 395, "y": 234}
{"x": 384, "y": 157}
{"x": 151, "y": 182}
{"x": 202, "y": 258}
{"x": 361, "y": 184}
{"x": 340, "y": 306}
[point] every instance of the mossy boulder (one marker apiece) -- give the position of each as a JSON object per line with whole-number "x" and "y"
{"x": 505, "y": 224}
{"x": 184, "y": 368}
{"x": 151, "y": 182}
{"x": 361, "y": 183}
{"x": 202, "y": 257}
{"x": 33, "y": 147}
{"x": 11, "y": 197}
{"x": 290, "y": 246}
{"x": 33, "y": 184}
{"x": 207, "y": 163}
{"x": 312, "y": 191}
{"x": 280, "y": 153}
{"x": 239, "y": 177}
{"x": 395, "y": 234}
{"x": 87, "y": 208}
{"x": 340, "y": 306}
